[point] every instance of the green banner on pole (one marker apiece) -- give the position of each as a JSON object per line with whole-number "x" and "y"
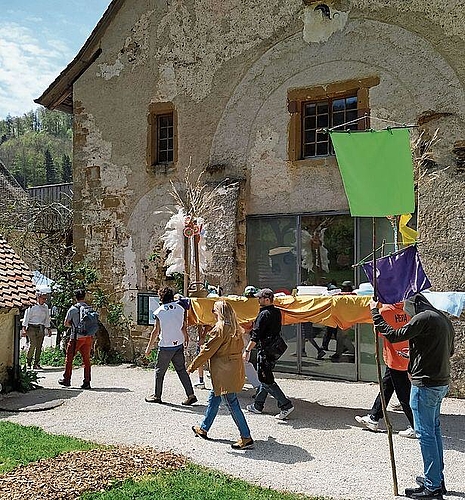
{"x": 377, "y": 171}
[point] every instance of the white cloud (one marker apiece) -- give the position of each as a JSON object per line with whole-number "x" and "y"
{"x": 29, "y": 62}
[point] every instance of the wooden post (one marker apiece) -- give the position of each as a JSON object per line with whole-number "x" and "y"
{"x": 380, "y": 378}
{"x": 196, "y": 239}
{"x": 186, "y": 265}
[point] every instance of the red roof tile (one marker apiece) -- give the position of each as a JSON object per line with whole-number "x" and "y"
{"x": 16, "y": 286}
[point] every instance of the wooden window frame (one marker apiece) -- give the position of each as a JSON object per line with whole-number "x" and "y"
{"x": 297, "y": 97}
{"x": 157, "y": 110}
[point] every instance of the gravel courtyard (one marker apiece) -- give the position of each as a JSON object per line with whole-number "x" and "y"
{"x": 320, "y": 450}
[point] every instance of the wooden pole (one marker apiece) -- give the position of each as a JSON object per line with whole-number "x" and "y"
{"x": 186, "y": 266}
{"x": 197, "y": 260}
{"x": 380, "y": 378}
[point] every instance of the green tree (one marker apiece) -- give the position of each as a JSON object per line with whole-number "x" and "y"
{"x": 66, "y": 169}
{"x": 50, "y": 170}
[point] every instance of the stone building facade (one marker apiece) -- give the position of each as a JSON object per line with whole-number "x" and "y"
{"x": 241, "y": 88}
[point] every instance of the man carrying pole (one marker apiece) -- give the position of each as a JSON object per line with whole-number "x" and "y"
{"x": 431, "y": 340}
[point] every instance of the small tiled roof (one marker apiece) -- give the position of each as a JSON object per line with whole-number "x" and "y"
{"x": 16, "y": 286}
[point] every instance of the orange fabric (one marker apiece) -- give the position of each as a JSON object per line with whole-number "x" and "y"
{"x": 395, "y": 355}
{"x": 338, "y": 310}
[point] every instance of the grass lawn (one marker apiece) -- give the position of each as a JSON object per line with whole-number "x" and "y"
{"x": 21, "y": 445}
{"x": 193, "y": 483}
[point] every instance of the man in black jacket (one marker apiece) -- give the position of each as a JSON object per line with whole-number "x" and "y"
{"x": 266, "y": 328}
{"x": 431, "y": 340}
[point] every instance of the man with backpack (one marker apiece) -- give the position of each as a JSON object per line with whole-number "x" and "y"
{"x": 83, "y": 321}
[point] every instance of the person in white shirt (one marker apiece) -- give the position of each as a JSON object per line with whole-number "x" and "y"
{"x": 171, "y": 332}
{"x": 36, "y": 323}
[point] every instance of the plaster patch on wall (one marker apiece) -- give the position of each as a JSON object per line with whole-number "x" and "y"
{"x": 129, "y": 279}
{"x": 167, "y": 88}
{"x": 201, "y": 40}
{"x": 318, "y": 27}
{"x": 108, "y": 71}
{"x": 98, "y": 152}
{"x": 268, "y": 170}
{"x": 135, "y": 49}
{"x": 448, "y": 15}
{"x": 136, "y": 46}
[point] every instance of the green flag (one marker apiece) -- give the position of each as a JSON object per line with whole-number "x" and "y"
{"x": 377, "y": 171}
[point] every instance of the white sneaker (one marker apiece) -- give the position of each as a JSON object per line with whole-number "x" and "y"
{"x": 252, "y": 409}
{"x": 408, "y": 433}
{"x": 200, "y": 385}
{"x": 368, "y": 422}
{"x": 283, "y": 414}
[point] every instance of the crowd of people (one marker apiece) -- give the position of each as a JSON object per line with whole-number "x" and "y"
{"x": 418, "y": 341}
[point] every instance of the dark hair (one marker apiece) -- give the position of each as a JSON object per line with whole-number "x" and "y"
{"x": 166, "y": 295}
{"x": 80, "y": 294}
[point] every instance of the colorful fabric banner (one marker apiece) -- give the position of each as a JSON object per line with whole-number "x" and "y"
{"x": 377, "y": 171}
{"x": 398, "y": 276}
{"x": 409, "y": 235}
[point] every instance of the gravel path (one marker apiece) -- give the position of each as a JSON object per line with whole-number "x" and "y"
{"x": 320, "y": 450}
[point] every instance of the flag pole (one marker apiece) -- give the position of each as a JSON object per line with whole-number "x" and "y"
{"x": 378, "y": 369}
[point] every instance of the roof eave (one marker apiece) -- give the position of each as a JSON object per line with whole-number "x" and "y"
{"x": 59, "y": 94}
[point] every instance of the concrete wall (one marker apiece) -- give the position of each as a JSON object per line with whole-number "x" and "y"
{"x": 227, "y": 67}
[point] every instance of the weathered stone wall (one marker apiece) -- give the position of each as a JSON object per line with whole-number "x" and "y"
{"x": 227, "y": 67}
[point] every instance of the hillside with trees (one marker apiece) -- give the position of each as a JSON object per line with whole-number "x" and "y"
{"x": 36, "y": 148}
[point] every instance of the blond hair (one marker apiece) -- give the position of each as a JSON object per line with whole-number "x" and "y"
{"x": 227, "y": 319}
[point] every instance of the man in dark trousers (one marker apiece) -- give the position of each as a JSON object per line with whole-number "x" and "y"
{"x": 266, "y": 328}
{"x": 170, "y": 331}
{"x": 431, "y": 340}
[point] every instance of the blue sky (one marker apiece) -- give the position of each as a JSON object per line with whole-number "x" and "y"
{"x": 38, "y": 38}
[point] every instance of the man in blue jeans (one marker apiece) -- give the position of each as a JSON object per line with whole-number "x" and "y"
{"x": 266, "y": 328}
{"x": 431, "y": 340}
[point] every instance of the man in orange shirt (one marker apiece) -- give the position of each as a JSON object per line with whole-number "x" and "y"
{"x": 396, "y": 358}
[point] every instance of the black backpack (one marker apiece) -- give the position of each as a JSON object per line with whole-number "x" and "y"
{"x": 88, "y": 320}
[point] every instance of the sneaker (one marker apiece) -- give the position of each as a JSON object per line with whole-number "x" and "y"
{"x": 321, "y": 354}
{"x": 190, "y": 400}
{"x": 64, "y": 382}
{"x": 153, "y": 399}
{"x": 243, "y": 444}
{"x": 421, "y": 482}
{"x": 423, "y": 492}
{"x": 253, "y": 409}
{"x": 199, "y": 432}
{"x": 368, "y": 422}
{"x": 37, "y": 367}
{"x": 200, "y": 385}
{"x": 283, "y": 414}
{"x": 395, "y": 407}
{"x": 86, "y": 385}
{"x": 408, "y": 433}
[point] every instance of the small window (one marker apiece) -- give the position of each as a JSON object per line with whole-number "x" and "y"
{"x": 165, "y": 138}
{"x": 162, "y": 135}
{"x": 321, "y": 107}
{"x": 325, "y": 114}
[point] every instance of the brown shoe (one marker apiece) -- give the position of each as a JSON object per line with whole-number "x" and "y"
{"x": 198, "y": 431}
{"x": 190, "y": 400}
{"x": 243, "y": 444}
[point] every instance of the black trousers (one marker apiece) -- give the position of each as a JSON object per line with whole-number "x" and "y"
{"x": 394, "y": 381}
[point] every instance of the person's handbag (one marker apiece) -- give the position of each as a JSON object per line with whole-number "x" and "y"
{"x": 276, "y": 349}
